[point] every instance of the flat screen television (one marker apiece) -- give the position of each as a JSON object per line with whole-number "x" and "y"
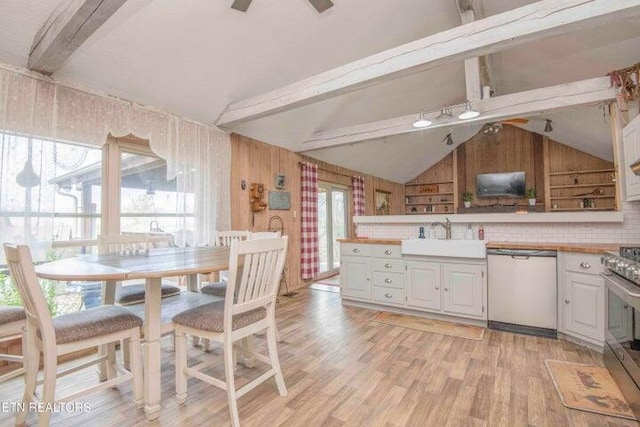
{"x": 511, "y": 184}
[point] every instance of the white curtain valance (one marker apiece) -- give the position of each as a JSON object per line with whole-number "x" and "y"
{"x": 198, "y": 155}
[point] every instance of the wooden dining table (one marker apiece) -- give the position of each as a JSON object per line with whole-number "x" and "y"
{"x": 152, "y": 266}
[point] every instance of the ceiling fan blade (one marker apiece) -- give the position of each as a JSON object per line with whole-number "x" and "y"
{"x": 516, "y": 121}
{"x": 321, "y": 5}
{"x": 241, "y": 5}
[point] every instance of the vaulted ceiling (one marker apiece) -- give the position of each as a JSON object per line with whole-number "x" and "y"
{"x": 195, "y": 57}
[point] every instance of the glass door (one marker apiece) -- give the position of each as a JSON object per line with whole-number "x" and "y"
{"x": 332, "y": 223}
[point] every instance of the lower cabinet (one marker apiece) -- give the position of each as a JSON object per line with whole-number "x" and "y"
{"x": 581, "y": 296}
{"x": 448, "y": 287}
{"x": 463, "y": 285}
{"x": 355, "y": 277}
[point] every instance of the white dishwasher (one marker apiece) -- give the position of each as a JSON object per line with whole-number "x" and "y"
{"x": 523, "y": 291}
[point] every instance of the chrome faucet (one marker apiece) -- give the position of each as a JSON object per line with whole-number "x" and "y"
{"x": 447, "y": 227}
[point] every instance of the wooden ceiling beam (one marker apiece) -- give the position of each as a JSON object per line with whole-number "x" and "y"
{"x": 494, "y": 33}
{"x": 520, "y": 104}
{"x": 70, "y": 25}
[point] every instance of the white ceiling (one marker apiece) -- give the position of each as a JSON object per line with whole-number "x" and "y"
{"x": 193, "y": 57}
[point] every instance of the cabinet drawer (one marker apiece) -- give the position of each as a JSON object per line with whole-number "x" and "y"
{"x": 387, "y": 251}
{"x": 388, "y": 265}
{"x": 583, "y": 263}
{"x": 388, "y": 280}
{"x": 355, "y": 249}
{"x": 388, "y": 295}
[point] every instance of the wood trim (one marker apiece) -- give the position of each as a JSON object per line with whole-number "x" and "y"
{"x": 547, "y": 179}
{"x": 66, "y": 29}
{"x": 521, "y": 104}
{"x": 111, "y": 181}
{"x": 498, "y": 32}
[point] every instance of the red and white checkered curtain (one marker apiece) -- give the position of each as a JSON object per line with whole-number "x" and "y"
{"x": 309, "y": 250}
{"x": 358, "y": 195}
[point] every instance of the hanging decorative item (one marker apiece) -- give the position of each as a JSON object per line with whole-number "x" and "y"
{"x": 626, "y": 82}
{"x": 279, "y": 181}
{"x": 256, "y": 195}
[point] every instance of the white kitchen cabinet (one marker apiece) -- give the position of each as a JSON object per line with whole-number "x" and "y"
{"x": 463, "y": 289}
{"x": 372, "y": 272}
{"x": 423, "y": 281}
{"x": 631, "y": 146}
{"x": 356, "y": 271}
{"x": 582, "y": 293}
{"x": 447, "y": 286}
{"x": 355, "y": 277}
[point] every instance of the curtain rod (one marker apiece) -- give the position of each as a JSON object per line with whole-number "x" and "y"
{"x": 332, "y": 172}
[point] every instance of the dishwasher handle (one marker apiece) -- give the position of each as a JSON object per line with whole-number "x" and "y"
{"x": 522, "y": 253}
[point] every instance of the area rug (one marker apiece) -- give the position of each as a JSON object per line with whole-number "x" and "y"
{"x": 430, "y": 325}
{"x": 588, "y": 388}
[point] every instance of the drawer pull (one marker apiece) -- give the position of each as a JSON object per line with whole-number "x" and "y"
{"x": 387, "y": 252}
{"x": 567, "y": 301}
{"x": 446, "y": 289}
{"x": 388, "y": 295}
{"x": 388, "y": 280}
{"x": 585, "y": 265}
{"x": 356, "y": 250}
{"x": 388, "y": 265}
{"x": 437, "y": 288}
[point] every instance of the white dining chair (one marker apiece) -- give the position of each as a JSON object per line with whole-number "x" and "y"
{"x": 224, "y": 238}
{"x": 12, "y": 324}
{"x": 53, "y": 337}
{"x": 245, "y": 311}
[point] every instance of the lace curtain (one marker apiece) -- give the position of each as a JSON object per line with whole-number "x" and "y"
{"x": 198, "y": 155}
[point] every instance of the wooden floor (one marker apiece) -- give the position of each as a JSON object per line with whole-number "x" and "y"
{"x": 341, "y": 369}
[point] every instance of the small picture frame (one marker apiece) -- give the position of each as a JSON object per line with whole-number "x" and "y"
{"x": 279, "y": 182}
{"x": 382, "y": 200}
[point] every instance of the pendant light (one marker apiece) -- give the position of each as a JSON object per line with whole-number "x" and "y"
{"x": 422, "y": 121}
{"x": 445, "y": 115}
{"x": 27, "y": 177}
{"x": 468, "y": 113}
{"x": 548, "y": 127}
{"x": 448, "y": 139}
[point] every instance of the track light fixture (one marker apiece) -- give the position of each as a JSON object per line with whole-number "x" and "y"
{"x": 422, "y": 121}
{"x": 548, "y": 127}
{"x": 468, "y": 113}
{"x": 445, "y": 115}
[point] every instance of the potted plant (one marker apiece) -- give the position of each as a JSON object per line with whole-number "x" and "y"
{"x": 466, "y": 198}
{"x": 531, "y": 195}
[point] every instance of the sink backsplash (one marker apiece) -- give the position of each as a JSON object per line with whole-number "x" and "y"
{"x": 626, "y": 232}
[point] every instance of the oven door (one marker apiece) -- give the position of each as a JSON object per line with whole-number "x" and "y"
{"x": 622, "y": 350}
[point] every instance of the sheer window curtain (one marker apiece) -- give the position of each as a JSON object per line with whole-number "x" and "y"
{"x": 309, "y": 246}
{"x": 34, "y": 109}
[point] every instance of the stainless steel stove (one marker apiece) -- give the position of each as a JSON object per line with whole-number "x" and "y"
{"x": 622, "y": 321}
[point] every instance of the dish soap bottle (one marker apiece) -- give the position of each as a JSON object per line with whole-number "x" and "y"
{"x": 481, "y": 233}
{"x": 469, "y": 233}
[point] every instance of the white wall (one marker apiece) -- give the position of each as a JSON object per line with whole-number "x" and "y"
{"x": 627, "y": 232}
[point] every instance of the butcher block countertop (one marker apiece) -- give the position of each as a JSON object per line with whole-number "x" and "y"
{"x": 372, "y": 241}
{"x": 587, "y": 248}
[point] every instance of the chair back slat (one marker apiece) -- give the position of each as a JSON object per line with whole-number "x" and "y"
{"x": 224, "y": 238}
{"x": 123, "y": 243}
{"x": 25, "y": 280}
{"x": 263, "y": 264}
{"x": 264, "y": 235}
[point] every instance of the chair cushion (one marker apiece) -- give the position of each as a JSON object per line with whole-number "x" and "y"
{"x": 134, "y": 294}
{"x": 210, "y": 317}
{"x": 93, "y": 322}
{"x": 10, "y": 314}
{"x": 215, "y": 288}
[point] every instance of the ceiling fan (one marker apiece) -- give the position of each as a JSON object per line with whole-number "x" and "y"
{"x": 492, "y": 128}
{"x": 320, "y": 5}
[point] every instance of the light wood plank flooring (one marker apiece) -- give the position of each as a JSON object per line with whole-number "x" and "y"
{"x": 342, "y": 370}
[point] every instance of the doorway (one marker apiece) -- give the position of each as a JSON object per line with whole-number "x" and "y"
{"x": 332, "y": 224}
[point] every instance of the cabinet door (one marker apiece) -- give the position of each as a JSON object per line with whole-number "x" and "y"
{"x": 422, "y": 281}
{"x": 631, "y": 144}
{"x": 583, "y": 305}
{"x": 355, "y": 277}
{"x": 463, "y": 289}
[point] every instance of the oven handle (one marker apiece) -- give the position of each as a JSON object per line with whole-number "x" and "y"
{"x": 629, "y": 292}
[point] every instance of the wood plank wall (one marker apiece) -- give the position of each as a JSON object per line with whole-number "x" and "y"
{"x": 258, "y": 162}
